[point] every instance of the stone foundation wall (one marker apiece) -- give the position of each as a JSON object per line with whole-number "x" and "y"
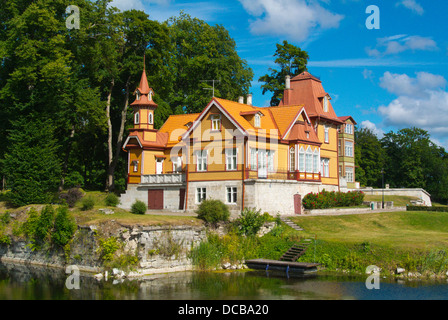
{"x": 158, "y": 248}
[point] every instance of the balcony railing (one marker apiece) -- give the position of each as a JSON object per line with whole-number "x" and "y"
{"x": 167, "y": 178}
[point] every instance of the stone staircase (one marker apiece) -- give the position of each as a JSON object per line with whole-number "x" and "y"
{"x": 296, "y": 251}
{"x": 291, "y": 224}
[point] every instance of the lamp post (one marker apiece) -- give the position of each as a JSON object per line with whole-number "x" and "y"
{"x": 382, "y": 182}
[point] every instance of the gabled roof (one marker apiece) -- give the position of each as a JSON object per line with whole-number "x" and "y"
{"x": 307, "y": 90}
{"x": 345, "y": 118}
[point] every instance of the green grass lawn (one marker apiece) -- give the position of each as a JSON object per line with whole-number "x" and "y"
{"x": 401, "y": 230}
{"x": 399, "y": 201}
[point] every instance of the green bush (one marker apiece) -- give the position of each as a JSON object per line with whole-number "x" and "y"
{"x": 64, "y": 227}
{"x": 138, "y": 207}
{"x": 250, "y": 222}
{"x": 72, "y": 196}
{"x": 213, "y": 211}
{"x": 112, "y": 200}
{"x": 87, "y": 203}
{"x": 423, "y": 208}
{"x": 44, "y": 224}
{"x": 326, "y": 199}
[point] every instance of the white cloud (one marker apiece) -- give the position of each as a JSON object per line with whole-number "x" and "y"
{"x": 420, "y": 86}
{"x": 412, "y": 5}
{"x": 371, "y": 126}
{"x": 296, "y": 19}
{"x": 421, "y": 102}
{"x": 400, "y": 43}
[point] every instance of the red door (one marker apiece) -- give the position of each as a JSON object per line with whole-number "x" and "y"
{"x": 181, "y": 199}
{"x": 297, "y": 204}
{"x": 155, "y": 199}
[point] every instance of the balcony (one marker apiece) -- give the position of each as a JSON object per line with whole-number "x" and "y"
{"x": 163, "y": 179}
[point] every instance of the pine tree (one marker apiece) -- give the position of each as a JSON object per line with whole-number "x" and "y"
{"x": 31, "y": 164}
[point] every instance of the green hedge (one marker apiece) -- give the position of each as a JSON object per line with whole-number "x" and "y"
{"x": 326, "y": 199}
{"x": 423, "y": 208}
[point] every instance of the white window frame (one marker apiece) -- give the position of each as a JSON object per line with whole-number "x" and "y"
{"x": 201, "y": 194}
{"x": 216, "y": 122}
{"x": 150, "y": 118}
{"x": 349, "y": 174}
{"x": 326, "y": 134}
{"x": 292, "y": 159}
{"x": 257, "y": 121}
{"x": 325, "y": 104}
{"x": 201, "y": 160}
{"x": 302, "y": 159}
{"x": 253, "y": 159}
{"x": 325, "y": 167}
{"x": 231, "y": 159}
{"x": 309, "y": 160}
{"x": 316, "y": 157}
{"x": 349, "y": 128}
{"x": 135, "y": 165}
{"x": 348, "y": 148}
{"x": 271, "y": 161}
{"x": 177, "y": 164}
{"x": 137, "y": 118}
{"x": 231, "y": 195}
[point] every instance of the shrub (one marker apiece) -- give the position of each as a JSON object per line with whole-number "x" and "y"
{"x": 250, "y": 222}
{"x": 112, "y": 200}
{"x": 326, "y": 199}
{"x": 138, "y": 207}
{"x": 213, "y": 211}
{"x": 64, "y": 227}
{"x": 72, "y": 196}
{"x": 108, "y": 247}
{"x": 87, "y": 203}
{"x": 44, "y": 224}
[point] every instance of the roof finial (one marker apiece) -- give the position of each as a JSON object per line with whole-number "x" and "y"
{"x": 144, "y": 61}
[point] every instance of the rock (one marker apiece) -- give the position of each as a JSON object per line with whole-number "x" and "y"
{"x": 226, "y": 265}
{"x": 98, "y": 276}
{"x": 106, "y": 211}
{"x": 400, "y": 270}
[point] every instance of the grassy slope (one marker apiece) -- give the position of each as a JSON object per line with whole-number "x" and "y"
{"x": 401, "y": 230}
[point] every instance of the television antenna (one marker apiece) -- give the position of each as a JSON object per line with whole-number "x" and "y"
{"x": 213, "y": 85}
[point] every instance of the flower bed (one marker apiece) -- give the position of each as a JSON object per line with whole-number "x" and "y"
{"x": 327, "y": 199}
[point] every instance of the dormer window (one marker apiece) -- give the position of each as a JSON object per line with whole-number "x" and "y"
{"x": 216, "y": 122}
{"x": 138, "y": 94}
{"x": 325, "y": 103}
{"x": 150, "y": 118}
{"x": 150, "y": 95}
{"x": 137, "y": 118}
{"x": 257, "y": 121}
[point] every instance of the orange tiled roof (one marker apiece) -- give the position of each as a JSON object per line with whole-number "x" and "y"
{"x": 307, "y": 90}
{"x": 178, "y": 121}
{"x": 345, "y": 118}
{"x": 161, "y": 139}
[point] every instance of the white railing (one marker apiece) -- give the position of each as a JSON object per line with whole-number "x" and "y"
{"x": 167, "y": 178}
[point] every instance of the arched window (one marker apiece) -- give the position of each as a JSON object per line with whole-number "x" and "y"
{"x": 302, "y": 160}
{"x": 309, "y": 160}
{"x": 292, "y": 159}
{"x": 316, "y": 160}
{"x": 137, "y": 118}
{"x": 150, "y": 118}
{"x": 138, "y": 95}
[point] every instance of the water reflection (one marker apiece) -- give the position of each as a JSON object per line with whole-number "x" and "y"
{"x": 20, "y": 282}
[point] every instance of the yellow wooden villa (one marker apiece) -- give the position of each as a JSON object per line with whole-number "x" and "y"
{"x": 246, "y": 156}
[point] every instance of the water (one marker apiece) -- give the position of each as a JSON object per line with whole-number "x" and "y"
{"x": 19, "y": 282}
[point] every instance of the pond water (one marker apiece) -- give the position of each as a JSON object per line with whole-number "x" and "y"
{"x": 20, "y": 282}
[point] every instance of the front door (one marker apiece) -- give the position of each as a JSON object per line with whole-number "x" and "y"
{"x": 159, "y": 166}
{"x": 155, "y": 199}
{"x": 262, "y": 164}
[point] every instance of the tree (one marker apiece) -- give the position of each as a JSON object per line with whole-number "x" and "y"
{"x": 370, "y": 158}
{"x": 203, "y": 52}
{"x": 31, "y": 162}
{"x": 292, "y": 61}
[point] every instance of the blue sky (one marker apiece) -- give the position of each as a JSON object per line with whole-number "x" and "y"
{"x": 387, "y": 79}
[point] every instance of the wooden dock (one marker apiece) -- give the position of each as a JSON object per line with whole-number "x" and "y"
{"x": 285, "y": 266}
